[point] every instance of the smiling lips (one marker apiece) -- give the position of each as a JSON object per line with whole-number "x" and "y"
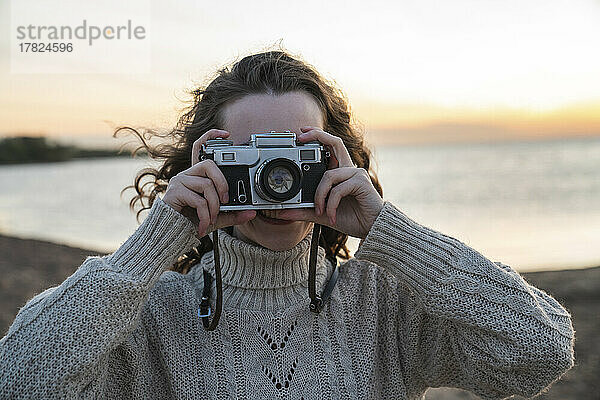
{"x": 270, "y": 217}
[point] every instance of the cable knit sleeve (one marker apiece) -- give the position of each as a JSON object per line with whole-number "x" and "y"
{"x": 472, "y": 323}
{"x": 61, "y": 340}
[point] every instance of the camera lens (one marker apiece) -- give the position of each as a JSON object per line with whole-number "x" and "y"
{"x": 278, "y": 180}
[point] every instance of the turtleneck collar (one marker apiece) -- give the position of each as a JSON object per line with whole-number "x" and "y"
{"x": 251, "y": 272}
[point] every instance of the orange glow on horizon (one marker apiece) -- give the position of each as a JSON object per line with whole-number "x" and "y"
{"x": 428, "y": 123}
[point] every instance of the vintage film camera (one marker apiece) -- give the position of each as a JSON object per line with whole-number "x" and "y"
{"x": 272, "y": 171}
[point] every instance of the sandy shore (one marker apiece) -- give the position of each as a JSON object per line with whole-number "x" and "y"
{"x": 27, "y": 267}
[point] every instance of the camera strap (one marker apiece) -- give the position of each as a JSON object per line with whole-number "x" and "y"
{"x": 205, "y": 310}
{"x": 316, "y": 302}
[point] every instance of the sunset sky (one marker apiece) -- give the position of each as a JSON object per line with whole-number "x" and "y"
{"x": 413, "y": 71}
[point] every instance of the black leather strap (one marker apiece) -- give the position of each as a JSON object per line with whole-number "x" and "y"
{"x": 205, "y": 310}
{"x": 318, "y": 302}
{"x": 330, "y": 285}
{"x": 312, "y": 267}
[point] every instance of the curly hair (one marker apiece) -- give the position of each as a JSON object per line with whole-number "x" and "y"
{"x": 271, "y": 72}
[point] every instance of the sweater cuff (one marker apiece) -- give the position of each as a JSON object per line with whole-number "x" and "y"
{"x": 420, "y": 255}
{"x": 156, "y": 244}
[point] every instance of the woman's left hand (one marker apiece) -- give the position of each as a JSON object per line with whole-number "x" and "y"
{"x": 345, "y": 199}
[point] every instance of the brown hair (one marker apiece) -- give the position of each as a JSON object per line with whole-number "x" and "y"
{"x": 273, "y": 72}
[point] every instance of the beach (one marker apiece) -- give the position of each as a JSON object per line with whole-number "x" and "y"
{"x": 27, "y": 267}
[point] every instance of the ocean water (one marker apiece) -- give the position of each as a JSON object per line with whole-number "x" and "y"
{"x": 532, "y": 205}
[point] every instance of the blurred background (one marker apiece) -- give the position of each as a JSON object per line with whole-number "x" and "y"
{"x": 483, "y": 116}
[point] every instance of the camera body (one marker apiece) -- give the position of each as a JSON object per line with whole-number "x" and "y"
{"x": 272, "y": 171}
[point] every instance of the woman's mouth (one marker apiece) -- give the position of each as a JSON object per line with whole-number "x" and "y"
{"x": 270, "y": 217}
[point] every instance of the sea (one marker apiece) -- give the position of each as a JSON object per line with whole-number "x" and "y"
{"x": 534, "y": 205}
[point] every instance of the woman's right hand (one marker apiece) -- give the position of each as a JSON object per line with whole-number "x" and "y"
{"x": 198, "y": 192}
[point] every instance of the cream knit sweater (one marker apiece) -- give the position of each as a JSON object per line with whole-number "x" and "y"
{"x": 414, "y": 309}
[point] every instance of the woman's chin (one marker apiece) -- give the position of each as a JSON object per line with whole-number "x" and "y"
{"x": 276, "y": 240}
{"x": 273, "y": 237}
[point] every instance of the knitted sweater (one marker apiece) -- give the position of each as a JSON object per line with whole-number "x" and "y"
{"x": 414, "y": 309}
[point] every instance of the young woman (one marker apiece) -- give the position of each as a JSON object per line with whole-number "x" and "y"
{"x": 413, "y": 309}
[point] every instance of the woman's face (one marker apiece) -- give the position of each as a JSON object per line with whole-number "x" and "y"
{"x": 260, "y": 113}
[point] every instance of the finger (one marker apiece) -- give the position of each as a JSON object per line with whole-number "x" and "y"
{"x": 198, "y": 202}
{"x": 337, "y": 193}
{"x": 204, "y": 187}
{"x": 210, "y": 134}
{"x": 330, "y": 178}
{"x": 231, "y": 218}
{"x": 209, "y": 169}
{"x": 336, "y": 143}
